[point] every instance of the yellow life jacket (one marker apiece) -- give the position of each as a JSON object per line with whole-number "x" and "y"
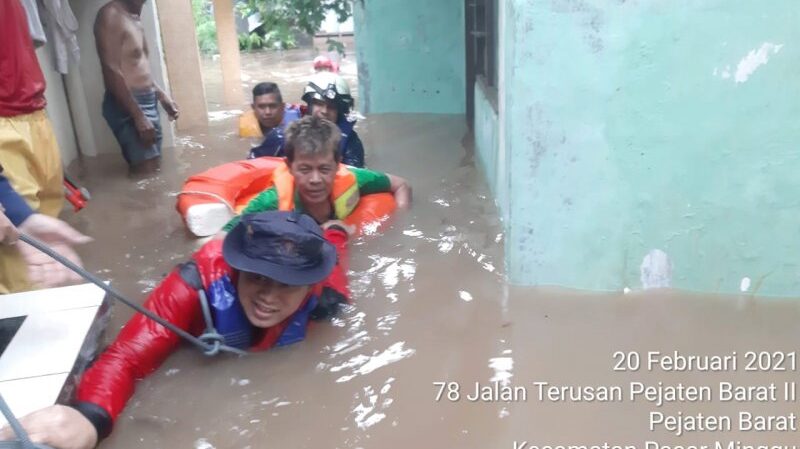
{"x": 248, "y": 125}
{"x": 344, "y": 195}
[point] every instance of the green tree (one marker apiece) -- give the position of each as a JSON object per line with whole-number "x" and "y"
{"x": 282, "y": 17}
{"x": 205, "y": 27}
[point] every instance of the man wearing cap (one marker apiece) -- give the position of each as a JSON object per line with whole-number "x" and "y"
{"x": 260, "y": 286}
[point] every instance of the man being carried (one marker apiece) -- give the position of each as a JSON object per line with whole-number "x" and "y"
{"x": 273, "y": 117}
{"x": 131, "y": 101}
{"x": 313, "y": 181}
{"x": 259, "y": 283}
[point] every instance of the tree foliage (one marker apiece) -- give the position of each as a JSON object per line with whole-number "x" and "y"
{"x": 205, "y": 27}
{"x": 282, "y": 19}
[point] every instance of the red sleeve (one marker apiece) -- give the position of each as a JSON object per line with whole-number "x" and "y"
{"x": 141, "y": 346}
{"x": 337, "y": 280}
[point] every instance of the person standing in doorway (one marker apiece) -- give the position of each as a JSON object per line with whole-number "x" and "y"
{"x": 131, "y": 101}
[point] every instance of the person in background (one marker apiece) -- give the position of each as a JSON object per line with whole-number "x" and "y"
{"x": 328, "y": 96}
{"x": 130, "y": 105}
{"x": 273, "y": 117}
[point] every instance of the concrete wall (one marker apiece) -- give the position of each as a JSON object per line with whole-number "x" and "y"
{"x": 89, "y": 80}
{"x": 653, "y": 125}
{"x": 58, "y": 105}
{"x": 410, "y": 55}
{"x": 182, "y": 57}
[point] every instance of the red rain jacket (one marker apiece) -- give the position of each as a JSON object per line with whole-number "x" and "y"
{"x": 142, "y": 345}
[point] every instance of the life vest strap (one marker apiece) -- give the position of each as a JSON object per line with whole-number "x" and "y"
{"x": 191, "y": 275}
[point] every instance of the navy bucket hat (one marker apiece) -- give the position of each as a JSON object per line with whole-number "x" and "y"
{"x": 285, "y": 246}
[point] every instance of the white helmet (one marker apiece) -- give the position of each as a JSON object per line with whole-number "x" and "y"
{"x": 328, "y": 86}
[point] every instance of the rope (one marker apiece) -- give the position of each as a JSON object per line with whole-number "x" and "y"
{"x": 207, "y": 348}
{"x": 213, "y": 195}
{"x": 210, "y": 337}
{"x": 23, "y": 441}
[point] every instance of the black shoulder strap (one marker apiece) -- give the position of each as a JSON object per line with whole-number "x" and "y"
{"x": 191, "y": 274}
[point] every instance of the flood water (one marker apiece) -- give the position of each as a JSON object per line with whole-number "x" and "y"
{"x": 431, "y": 305}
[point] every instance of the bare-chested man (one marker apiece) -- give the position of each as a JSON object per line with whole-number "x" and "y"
{"x": 131, "y": 102}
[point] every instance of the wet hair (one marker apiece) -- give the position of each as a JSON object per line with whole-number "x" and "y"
{"x": 310, "y": 136}
{"x": 267, "y": 88}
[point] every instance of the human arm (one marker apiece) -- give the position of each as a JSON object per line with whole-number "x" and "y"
{"x": 42, "y": 269}
{"x": 370, "y": 181}
{"x": 106, "y": 27}
{"x": 167, "y": 103}
{"x": 401, "y": 190}
{"x": 16, "y": 209}
{"x": 141, "y": 347}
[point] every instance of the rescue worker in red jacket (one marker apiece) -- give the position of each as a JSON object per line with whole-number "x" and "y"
{"x": 261, "y": 283}
{"x": 315, "y": 182}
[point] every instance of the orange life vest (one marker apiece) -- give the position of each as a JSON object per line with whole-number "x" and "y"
{"x": 344, "y": 195}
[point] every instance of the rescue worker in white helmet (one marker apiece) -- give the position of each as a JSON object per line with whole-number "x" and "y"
{"x": 328, "y": 96}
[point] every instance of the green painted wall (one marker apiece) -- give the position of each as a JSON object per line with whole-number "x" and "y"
{"x": 670, "y": 125}
{"x": 410, "y": 55}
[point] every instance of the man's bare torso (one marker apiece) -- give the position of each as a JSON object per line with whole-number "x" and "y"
{"x": 125, "y": 33}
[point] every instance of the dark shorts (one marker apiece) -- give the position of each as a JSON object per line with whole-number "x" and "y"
{"x": 124, "y": 128}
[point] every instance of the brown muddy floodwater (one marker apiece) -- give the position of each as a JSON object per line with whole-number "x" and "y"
{"x": 431, "y": 305}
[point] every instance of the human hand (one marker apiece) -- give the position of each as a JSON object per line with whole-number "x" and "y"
{"x": 349, "y": 229}
{"x": 58, "y": 235}
{"x": 170, "y": 106}
{"x": 8, "y": 233}
{"x": 58, "y": 426}
{"x": 146, "y": 130}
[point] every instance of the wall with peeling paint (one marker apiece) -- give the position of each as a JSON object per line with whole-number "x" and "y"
{"x": 486, "y": 136}
{"x": 639, "y": 126}
{"x": 411, "y": 56}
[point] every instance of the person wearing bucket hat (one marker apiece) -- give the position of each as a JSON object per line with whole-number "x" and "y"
{"x": 260, "y": 283}
{"x": 314, "y": 181}
{"x": 327, "y": 95}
